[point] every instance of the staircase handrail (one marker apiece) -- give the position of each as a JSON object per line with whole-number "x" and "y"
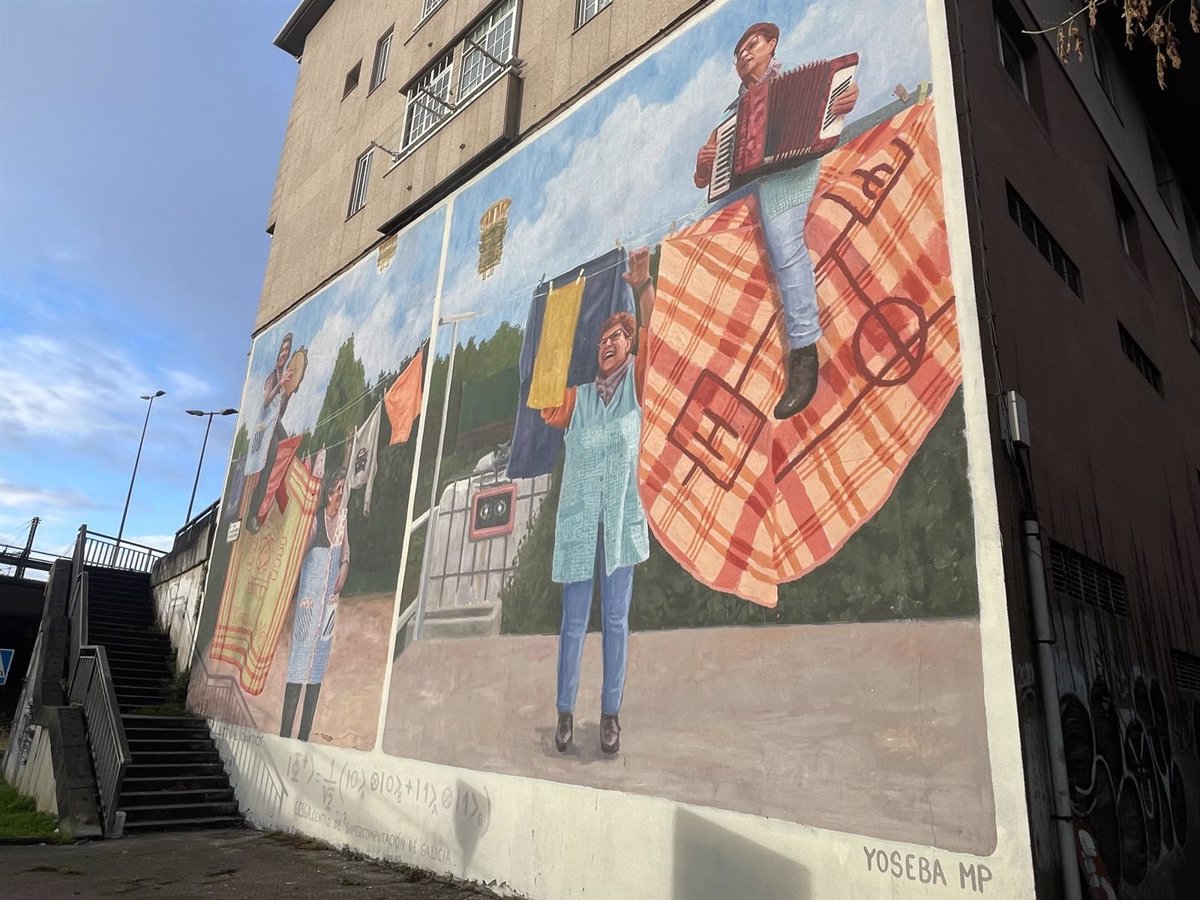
{"x": 92, "y": 687}
{"x": 232, "y": 709}
{"x": 103, "y": 550}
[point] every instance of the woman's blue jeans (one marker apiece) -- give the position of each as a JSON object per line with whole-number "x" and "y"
{"x": 616, "y": 591}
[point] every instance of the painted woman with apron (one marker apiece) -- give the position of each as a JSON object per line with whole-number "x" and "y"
{"x": 322, "y": 576}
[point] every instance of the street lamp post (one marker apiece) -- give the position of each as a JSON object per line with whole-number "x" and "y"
{"x": 136, "y": 460}
{"x": 203, "y": 447}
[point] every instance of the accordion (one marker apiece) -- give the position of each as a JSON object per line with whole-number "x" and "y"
{"x": 781, "y": 123}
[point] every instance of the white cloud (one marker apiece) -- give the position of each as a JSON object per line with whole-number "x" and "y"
{"x": 186, "y": 386}
{"x": 22, "y": 496}
{"x": 634, "y": 180}
{"x": 162, "y": 542}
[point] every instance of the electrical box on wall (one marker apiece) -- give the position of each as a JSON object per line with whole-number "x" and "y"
{"x": 1015, "y": 419}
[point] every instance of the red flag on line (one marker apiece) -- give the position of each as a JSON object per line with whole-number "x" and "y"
{"x": 275, "y": 486}
{"x": 403, "y": 399}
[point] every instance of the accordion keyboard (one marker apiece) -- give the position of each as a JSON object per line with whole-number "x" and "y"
{"x": 722, "y": 176}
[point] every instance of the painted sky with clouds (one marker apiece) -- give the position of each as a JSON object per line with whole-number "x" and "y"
{"x": 140, "y": 141}
{"x": 138, "y": 146}
{"x": 619, "y": 166}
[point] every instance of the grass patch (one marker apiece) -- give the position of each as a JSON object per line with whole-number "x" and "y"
{"x": 19, "y": 817}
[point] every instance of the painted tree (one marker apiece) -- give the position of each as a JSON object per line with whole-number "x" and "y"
{"x": 343, "y": 408}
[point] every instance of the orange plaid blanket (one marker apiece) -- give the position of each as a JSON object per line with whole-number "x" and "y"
{"x": 260, "y": 582}
{"x": 745, "y": 502}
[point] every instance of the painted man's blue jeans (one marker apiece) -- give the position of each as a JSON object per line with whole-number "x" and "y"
{"x": 616, "y": 591}
{"x": 783, "y": 202}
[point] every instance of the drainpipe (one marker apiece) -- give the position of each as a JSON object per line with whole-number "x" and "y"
{"x": 1064, "y": 817}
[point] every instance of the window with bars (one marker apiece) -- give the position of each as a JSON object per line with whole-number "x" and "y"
{"x": 428, "y": 6}
{"x": 383, "y": 49}
{"x": 1140, "y": 359}
{"x": 587, "y": 9}
{"x": 488, "y": 47}
{"x": 429, "y": 100}
{"x": 358, "y": 190}
{"x": 1185, "y": 670}
{"x": 1033, "y": 229}
{"x": 1081, "y": 578}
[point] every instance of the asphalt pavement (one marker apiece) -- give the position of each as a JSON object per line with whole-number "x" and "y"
{"x": 227, "y": 863}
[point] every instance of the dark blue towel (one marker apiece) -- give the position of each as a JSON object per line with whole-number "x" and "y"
{"x": 535, "y": 445}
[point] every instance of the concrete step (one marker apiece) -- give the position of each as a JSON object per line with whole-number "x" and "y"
{"x": 159, "y": 724}
{"x": 174, "y": 797}
{"x": 181, "y": 771}
{"x": 183, "y": 782}
{"x": 178, "y": 811}
{"x": 176, "y": 757}
{"x": 141, "y": 744}
{"x": 462, "y": 622}
{"x": 182, "y": 824}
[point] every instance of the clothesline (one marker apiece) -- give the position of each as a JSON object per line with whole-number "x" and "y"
{"x": 661, "y": 230}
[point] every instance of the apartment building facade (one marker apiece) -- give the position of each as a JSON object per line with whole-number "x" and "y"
{"x": 842, "y": 355}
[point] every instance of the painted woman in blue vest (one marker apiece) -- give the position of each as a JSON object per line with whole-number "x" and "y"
{"x": 322, "y": 576}
{"x": 601, "y": 528}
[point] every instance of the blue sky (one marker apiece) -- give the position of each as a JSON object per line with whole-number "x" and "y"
{"x": 138, "y": 146}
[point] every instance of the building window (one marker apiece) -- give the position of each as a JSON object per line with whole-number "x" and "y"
{"x": 1037, "y": 234}
{"x": 1191, "y": 309}
{"x": 1011, "y": 58}
{"x": 1193, "y": 231}
{"x": 428, "y": 6}
{"x": 587, "y": 9}
{"x": 488, "y": 47}
{"x": 1100, "y": 67}
{"x": 1078, "y": 577}
{"x": 362, "y": 177}
{"x": 429, "y": 100}
{"x": 1127, "y": 224}
{"x": 1164, "y": 177}
{"x": 383, "y": 49}
{"x": 351, "y": 79}
{"x": 1140, "y": 359}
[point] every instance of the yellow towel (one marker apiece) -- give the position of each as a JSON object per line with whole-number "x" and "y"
{"x": 554, "y": 350}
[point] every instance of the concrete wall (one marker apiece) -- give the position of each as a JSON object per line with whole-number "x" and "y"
{"x": 35, "y": 776}
{"x": 1112, "y": 464}
{"x": 806, "y": 633}
{"x": 178, "y": 584}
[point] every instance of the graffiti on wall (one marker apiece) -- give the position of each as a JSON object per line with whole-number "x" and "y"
{"x": 1131, "y": 757}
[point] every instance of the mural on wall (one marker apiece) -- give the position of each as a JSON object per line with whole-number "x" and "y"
{"x": 303, "y": 577}
{"x": 661, "y": 487}
{"x": 1132, "y": 757}
{"x": 713, "y": 381}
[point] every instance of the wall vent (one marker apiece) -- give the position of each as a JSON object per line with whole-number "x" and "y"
{"x": 1185, "y": 670}
{"x": 1081, "y": 578}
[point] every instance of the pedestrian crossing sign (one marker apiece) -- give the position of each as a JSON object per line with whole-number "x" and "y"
{"x": 5, "y": 661}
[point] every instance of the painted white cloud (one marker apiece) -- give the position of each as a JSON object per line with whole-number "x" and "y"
{"x": 635, "y": 180}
